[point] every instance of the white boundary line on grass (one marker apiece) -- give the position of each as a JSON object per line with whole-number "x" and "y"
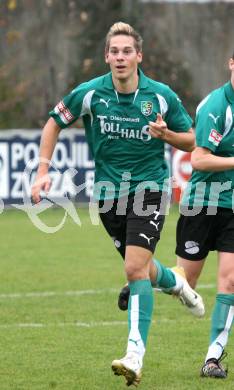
{"x": 87, "y": 324}
{"x": 64, "y": 324}
{"x": 78, "y": 324}
{"x": 48, "y": 294}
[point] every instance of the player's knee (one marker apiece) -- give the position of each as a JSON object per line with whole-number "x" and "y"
{"x": 226, "y": 283}
{"x": 130, "y": 270}
{"x": 230, "y": 284}
{"x": 135, "y": 272}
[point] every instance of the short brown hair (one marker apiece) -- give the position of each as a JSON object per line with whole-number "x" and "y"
{"x": 121, "y": 28}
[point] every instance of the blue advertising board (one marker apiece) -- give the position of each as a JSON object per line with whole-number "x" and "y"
{"x": 72, "y": 168}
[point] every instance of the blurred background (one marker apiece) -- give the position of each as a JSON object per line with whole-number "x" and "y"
{"x": 49, "y": 46}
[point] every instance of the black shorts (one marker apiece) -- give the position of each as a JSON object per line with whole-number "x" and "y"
{"x": 197, "y": 235}
{"x": 128, "y": 221}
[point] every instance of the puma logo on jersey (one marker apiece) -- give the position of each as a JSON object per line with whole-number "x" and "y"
{"x": 106, "y": 102}
{"x": 147, "y": 238}
{"x": 213, "y": 117}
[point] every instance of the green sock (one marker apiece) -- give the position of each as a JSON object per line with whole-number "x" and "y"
{"x": 165, "y": 277}
{"x": 140, "y": 308}
{"x": 221, "y": 323}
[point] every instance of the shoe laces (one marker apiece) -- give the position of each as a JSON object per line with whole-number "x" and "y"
{"x": 223, "y": 356}
{"x": 218, "y": 361}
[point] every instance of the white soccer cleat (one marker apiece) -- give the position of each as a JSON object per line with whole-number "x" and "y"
{"x": 130, "y": 367}
{"x": 186, "y": 294}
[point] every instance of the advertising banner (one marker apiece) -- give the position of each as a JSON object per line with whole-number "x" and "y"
{"x": 181, "y": 170}
{"x": 72, "y": 168}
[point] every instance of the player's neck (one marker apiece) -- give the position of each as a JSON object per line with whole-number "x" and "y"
{"x": 126, "y": 85}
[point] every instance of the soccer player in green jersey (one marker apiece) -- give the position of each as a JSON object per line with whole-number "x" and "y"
{"x": 128, "y": 117}
{"x": 208, "y": 199}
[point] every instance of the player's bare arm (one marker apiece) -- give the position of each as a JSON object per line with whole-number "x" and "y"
{"x": 48, "y": 141}
{"x": 202, "y": 159}
{"x": 181, "y": 140}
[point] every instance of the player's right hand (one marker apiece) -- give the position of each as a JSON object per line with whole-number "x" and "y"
{"x": 158, "y": 129}
{"x": 42, "y": 183}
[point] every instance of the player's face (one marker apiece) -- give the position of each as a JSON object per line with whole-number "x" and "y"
{"x": 123, "y": 57}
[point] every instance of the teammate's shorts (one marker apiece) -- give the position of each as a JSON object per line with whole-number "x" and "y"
{"x": 136, "y": 220}
{"x": 197, "y": 235}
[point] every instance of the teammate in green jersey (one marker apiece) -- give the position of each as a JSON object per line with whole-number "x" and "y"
{"x": 128, "y": 117}
{"x": 210, "y": 225}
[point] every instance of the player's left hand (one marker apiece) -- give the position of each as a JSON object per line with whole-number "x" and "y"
{"x": 158, "y": 129}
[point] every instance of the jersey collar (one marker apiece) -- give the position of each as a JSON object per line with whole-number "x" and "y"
{"x": 229, "y": 92}
{"x": 142, "y": 83}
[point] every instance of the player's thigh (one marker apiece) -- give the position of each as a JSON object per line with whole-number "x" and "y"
{"x": 194, "y": 236}
{"x": 224, "y": 230}
{"x": 225, "y": 248}
{"x": 194, "y": 240}
{"x": 226, "y": 272}
{"x": 137, "y": 262}
{"x": 115, "y": 226}
{"x": 145, "y": 220}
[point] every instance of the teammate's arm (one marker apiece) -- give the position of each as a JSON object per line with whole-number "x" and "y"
{"x": 180, "y": 140}
{"x": 49, "y": 138}
{"x": 202, "y": 159}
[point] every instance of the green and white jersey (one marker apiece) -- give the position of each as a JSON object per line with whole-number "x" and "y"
{"x": 117, "y": 129}
{"x": 215, "y": 131}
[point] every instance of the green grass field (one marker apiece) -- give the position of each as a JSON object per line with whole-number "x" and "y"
{"x": 60, "y": 325}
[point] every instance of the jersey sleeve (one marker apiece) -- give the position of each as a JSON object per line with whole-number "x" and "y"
{"x": 177, "y": 118}
{"x": 209, "y": 123}
{"x": 72, "y": 106}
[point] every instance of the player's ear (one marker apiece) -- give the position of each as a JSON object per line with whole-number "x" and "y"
{"x": 106, "y": 57}
{"x": 231, "y": 64}
{"x": 139, "y": 57}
